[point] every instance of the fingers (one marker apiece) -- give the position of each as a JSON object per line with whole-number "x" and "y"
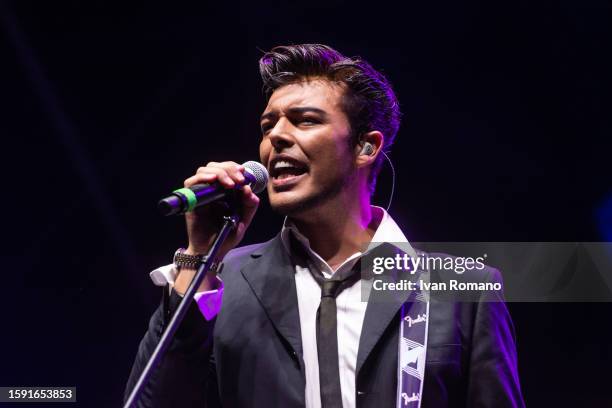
{"x": 250, "y": 202}
{"x": 228, "y": 174}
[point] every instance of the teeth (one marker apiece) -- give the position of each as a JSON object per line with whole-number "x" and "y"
{"x": 282, "y": 164}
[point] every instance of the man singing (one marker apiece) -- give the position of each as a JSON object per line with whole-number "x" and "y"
{"x": 283, "y": 323}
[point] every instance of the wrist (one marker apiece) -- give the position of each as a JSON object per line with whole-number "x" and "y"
{"x": 197, "y": 251}
{"x": 190, "y": 250}
{"x": 190, "y": 260}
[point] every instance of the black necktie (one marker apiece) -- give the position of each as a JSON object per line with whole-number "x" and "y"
{"x": 327, "y": 332}
{"x": 327, "y": 339}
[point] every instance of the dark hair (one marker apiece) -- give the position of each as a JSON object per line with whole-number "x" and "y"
{"x": 369, "y": 101}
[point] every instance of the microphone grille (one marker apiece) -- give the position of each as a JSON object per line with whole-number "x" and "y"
{"x": 260, "y": 173}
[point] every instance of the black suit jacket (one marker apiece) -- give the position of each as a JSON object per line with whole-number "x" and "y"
{"x": 250, "y": 355}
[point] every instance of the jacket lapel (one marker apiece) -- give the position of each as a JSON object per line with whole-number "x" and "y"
{"x": 271, "y": 276}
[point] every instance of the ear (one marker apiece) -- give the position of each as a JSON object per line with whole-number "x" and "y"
{"x": 362, "y": 157}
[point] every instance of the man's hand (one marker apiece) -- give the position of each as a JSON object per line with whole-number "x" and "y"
{"x": 204, "y": 222}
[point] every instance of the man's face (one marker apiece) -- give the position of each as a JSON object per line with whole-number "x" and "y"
{"x": 305, "y": 145}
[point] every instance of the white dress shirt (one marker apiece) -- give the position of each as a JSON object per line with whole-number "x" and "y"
{"x": 350, "y": 307}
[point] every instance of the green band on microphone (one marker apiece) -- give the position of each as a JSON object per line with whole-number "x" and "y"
{"x": 190, "y": 196}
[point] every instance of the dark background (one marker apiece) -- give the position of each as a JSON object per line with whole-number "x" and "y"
{"x": 108, "y": 106}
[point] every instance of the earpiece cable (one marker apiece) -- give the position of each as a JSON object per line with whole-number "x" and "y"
{"x": 392, "y": 179}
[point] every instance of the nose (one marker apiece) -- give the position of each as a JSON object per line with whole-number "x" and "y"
{"x": 280, "y": 135}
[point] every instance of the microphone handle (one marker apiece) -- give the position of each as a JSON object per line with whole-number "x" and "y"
{"x": 187, "y": 199}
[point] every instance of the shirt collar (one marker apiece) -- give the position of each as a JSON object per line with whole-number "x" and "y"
{"x": 387, "y": 232}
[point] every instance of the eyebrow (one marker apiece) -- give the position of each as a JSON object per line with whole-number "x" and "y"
{"x": 295, "y": 110}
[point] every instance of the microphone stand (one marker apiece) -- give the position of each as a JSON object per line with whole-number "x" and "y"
{"x": 229, "y": 222}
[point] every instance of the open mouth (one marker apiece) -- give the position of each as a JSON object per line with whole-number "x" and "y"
{"x": 285, "y": 170}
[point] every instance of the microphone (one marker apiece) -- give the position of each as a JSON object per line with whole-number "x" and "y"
{"x": 188, "y": 199}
